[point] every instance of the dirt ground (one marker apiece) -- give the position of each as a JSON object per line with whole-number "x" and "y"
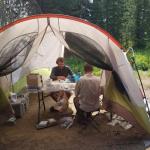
{"x": 24, "y": 135}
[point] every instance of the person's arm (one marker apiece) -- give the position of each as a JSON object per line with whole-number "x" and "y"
{"x": 77, "y": 89}
{"x": 53, "y": 74}
{"x": 61, "y": 78}
{"x": 54, "y": 77}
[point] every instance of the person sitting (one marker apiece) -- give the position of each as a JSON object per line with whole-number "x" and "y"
{"x": 61, "y": 104}
{"x": 87, "y": 92}
{"x": 61, "y": 72}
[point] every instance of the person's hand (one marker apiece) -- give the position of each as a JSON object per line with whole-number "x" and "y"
{"x": 61, "y": 78}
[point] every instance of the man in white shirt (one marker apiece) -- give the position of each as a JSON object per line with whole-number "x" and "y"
{"x": 87, "y": 92}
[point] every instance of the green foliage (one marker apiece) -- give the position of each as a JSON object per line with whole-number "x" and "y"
{"x": 97, "y": 71}
{"x": 142, "y": 60}
{"x": 77, "y": 65}
{"x": 142, "y": 23}
{"x": 127, "y": 20}
{"x": 67, "y": 7}
{"x": 11, "y": 10}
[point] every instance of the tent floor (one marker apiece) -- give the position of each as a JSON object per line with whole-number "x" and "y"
{"x": 25, "y": 136}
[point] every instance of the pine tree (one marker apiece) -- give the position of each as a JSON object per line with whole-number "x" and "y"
{"x": 67, "y": 7}
{"x": 142, "y": 23}
{"x": 11, "y": 10}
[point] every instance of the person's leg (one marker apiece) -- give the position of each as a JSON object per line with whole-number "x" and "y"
{"x": 54, "y": 95}
{"x": 68, "y": 94}
{"x": 79, "y": 113}
{"x": 76, "y": 103}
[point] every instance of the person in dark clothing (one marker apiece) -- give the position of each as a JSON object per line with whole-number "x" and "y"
{"x": 61, "y": 72}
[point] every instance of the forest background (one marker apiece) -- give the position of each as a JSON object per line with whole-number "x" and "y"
{"x": 127, "y": 20}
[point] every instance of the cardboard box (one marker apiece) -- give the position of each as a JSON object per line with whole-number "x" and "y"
{"x": 34, "y": 80}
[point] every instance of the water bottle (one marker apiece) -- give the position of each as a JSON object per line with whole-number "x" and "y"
{"x": 77, "y": 77}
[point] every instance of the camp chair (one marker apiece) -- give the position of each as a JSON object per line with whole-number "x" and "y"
{"x": 86, "y": 118}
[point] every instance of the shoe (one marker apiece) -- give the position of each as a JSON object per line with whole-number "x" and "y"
{"x": 11, "y": 120}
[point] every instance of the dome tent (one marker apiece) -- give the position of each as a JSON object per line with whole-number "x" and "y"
{"x": 36, "y": 41}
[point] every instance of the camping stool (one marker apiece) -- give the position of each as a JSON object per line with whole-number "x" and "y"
{"x": 86, "y": 119}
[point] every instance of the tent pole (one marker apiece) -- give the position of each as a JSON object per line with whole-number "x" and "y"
{"x": 140, "y": 79}
{"x": 11, "y": 79}
{"x": 144, "y": 95}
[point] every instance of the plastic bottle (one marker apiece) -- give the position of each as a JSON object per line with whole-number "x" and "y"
{"x": 77, "y": 76}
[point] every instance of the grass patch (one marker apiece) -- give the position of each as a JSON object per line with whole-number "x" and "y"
{"x": 142, "y": 59}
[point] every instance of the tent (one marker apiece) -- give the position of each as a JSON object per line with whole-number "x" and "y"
{"x": 36, "y": 41}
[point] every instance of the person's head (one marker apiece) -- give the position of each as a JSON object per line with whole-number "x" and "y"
{"x": 60, "y": 62}
{"x": 88, "y": 68}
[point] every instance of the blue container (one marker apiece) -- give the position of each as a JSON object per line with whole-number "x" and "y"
{"x": 76, "y": 77}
